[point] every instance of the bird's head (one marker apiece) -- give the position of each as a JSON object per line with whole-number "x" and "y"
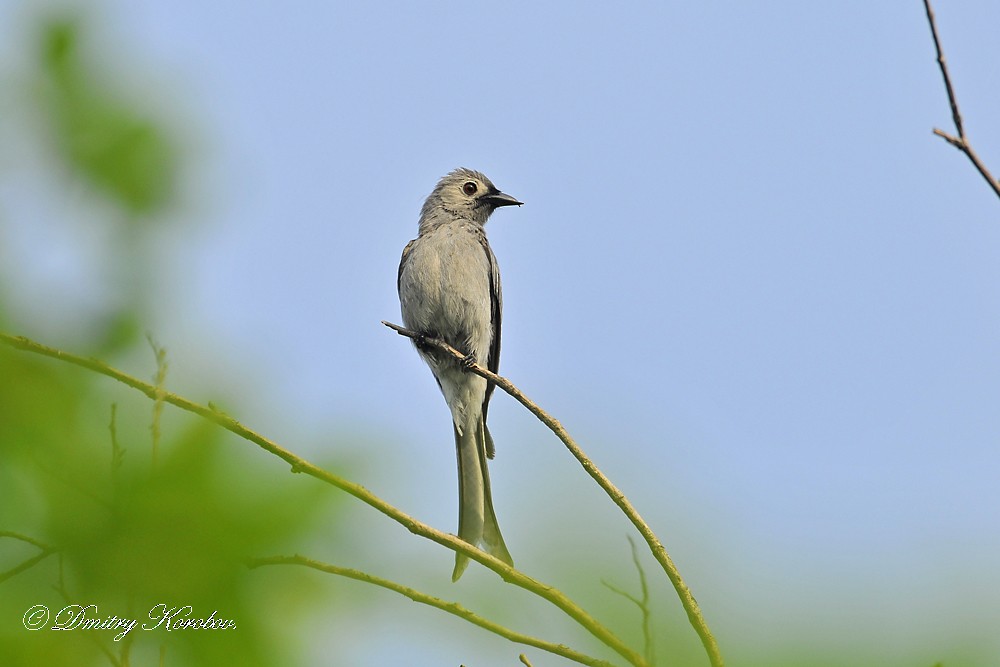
{"x": 466, "y": 194}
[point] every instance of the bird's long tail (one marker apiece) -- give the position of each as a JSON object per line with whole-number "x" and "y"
{"x": 477, "y": 522}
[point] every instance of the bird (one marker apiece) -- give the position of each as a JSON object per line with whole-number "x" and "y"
{"x": 449, "y": 289}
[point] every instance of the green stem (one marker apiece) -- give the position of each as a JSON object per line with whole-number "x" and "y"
{"x": 450, "y": 607}
{"x": 300, "y": 465}
{"x": 655, "y": 546}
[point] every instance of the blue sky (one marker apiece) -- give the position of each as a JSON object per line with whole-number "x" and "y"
{"x": 747, "y": 277}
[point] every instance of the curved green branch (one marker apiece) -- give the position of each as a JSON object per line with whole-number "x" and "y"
{"x": 300, "y": 465}
{"x": 655, "y": 546}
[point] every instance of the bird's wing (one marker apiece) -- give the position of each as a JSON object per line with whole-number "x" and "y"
{"x": 496, "y": 313}
{"x": 402, "y": 262}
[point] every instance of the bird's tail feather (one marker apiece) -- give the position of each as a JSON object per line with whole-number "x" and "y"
{"x": 491, "y": 529}
{"x": 477, "y": 522}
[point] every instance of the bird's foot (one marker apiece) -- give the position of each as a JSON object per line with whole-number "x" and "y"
{"x": 420, "y": 340}
{"x": 468, "y": 361}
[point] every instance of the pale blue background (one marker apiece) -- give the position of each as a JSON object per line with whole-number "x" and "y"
{"x": 764, "y": 297}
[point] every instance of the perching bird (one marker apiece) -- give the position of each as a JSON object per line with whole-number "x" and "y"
{"x": 449, "y": 288}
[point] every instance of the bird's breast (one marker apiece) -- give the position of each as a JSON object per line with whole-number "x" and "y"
{"x": 445, "y": 288}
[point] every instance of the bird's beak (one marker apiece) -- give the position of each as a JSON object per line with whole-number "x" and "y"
{"x": 498, "y": 199}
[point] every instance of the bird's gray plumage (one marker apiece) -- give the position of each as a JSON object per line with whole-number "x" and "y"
{"x": 449, "y": 287}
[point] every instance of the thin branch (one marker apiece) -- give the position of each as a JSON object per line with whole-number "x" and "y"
{"x": 956, "y": 115}
{"x": 24, "y": 538}
{"x": 45, "y": 552}
{"x": 60, "y": 588}
{"x": 619, "y": 591}
{"x": 451, "y": 607}
{"x": 21, "y": 567}
{"x": 524, "y": 660}
{"x": 687, "y": 599}
{"x": 641, "y": 602}
{"x": 644, "y": 605}
{"x": 961, "y": 142}
{"x": 300, "y": 465}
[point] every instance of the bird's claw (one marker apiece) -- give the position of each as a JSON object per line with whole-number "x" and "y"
{"x": 468, "y": 361}
{"x": 420, "y": 340}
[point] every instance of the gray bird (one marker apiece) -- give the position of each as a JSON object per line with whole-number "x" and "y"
{"x": 449, "y": 288}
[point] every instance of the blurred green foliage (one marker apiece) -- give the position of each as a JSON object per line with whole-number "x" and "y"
{"x": 127, "y": 534}
{"x": 102, "y": 139}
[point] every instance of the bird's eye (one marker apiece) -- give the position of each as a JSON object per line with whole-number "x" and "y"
{"x": 469, "y": 188}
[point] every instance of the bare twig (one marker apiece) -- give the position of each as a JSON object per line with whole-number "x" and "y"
{"x": 961, "y": 142}
{"x": 450, "y": 607}
{"x": 24, "y": 565}
{"x": 656, "y": 547}
{"x": 60, "y": 587}
{"x": 24, "y": 538}
{"x": 524, "y": 660}
{"x": 646, "y": 614}
{"x": 642, "y": 602}
{"x": 300, "y": 465}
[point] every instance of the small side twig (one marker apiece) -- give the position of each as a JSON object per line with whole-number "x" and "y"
{"x": 641, "y": 602}
{"x": 45, "y": 551}
{"x": 60, "y": 587}
{"x": 690, "y": 605}
{"x": 961, "y": 142}
{"x": 24, "y": 538}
